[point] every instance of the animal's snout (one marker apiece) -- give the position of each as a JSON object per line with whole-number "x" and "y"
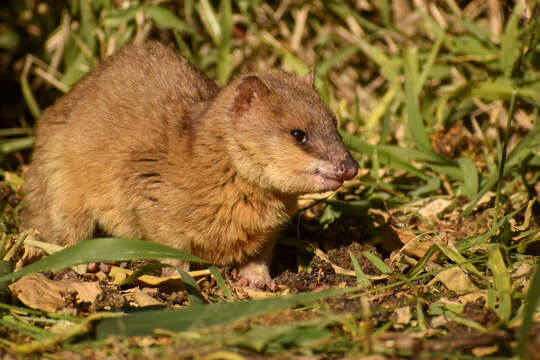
{"x": 347, "y": 169}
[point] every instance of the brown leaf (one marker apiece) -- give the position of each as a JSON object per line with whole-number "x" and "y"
{"x": 119, "y": 274}
{"x": 415, "y": 245}
{"x": 137, "y": 297}
{"x": 485, "y": 350}
{"x": 432, "y": 209}
{"x": 39, "y": 292}
{"x": 403, "y": 315}
{"x": 259, "y": 294}
{"x": 456, "y": 280}
{"x": 31, "y": 253}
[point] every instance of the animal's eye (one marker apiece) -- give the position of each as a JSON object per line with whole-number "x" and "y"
{"x": 299, "y": 135}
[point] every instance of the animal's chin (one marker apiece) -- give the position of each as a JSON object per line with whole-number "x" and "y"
{"x": 328, "y": 182}
{"x": 312, "y": 182}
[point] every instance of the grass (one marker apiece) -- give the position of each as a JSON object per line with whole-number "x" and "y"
{"x": 439, "y": 103}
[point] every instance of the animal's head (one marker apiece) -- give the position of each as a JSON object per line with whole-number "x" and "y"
{"x": 284, "y": 137}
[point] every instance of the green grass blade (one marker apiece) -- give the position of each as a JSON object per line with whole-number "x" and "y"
{"x": 389, "y": 67}
{"x": 355, "y": 208}
{"x": 10, "y": 146}
{"x": 487, "y": 186}
{"x": 470, "y": 45}
{"x": 415, "y": 122}
{"x": 483, "y": 238}
{"x": 221, "y": 282}
{"x": 341, "y": 9}
{"x": 411, "y": 65}
{"x": 335, "y": 59}
{"x": 103, "y": 249}
{"x": 209, "y": 20}
{"x": 23, "y": 328}
{"x": 224, "y": 65}
{"x": 451, "y": 171}
{"x": 357, "y": 144}
{"x": 501, "y": 281}
{"x": 502, "y": 163}
{"x": 420, "y": 316}
{"x": 431, "y": 186}
{"x": 501, "y": 88}
{"x": 85, "y": 45}
{"x": 377, "y": 262}
{"x": 282, "y": 337}
{"x": 165, "y": 18}
{"x": 384, "y": 9}
{"x": 424, "y": 155}
{"x": 466, "y": 322}
{"x": 428, "y": 66}
{"x": 193, "y": 290}
{"x": 289, "y": 59}
{"x": 381, "y": 108}
{"x": 50, "y": 341}
{"x": 459, "y": 259}
{"x": 531, "y": 302}
{"x": 78, "y": 69}
{"x": 87, "y": 26}
{"x": 421, "y": 264}
{"x": 201, "y": 316}
{"x": 470, "y": 177}
{"x": 530, "y": 144}
{"x": 28, "y": 95}
{"x": 361, "y": 278}
{"x": 510, "y": 42}
{"x": 121, "y": 16}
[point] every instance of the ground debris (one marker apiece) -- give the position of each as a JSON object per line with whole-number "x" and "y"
{"x": 39, "y": 292}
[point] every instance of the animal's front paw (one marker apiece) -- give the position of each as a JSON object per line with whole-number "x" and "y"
{"x": 257, "y": 284}
{"x": 256, "y": 275}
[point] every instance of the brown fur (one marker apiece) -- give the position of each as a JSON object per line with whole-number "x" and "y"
{"x": 147, "y": 147}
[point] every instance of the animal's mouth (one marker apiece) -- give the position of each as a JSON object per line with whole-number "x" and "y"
{"x": 328, "y": 181}
{"x": 330, "y": 176}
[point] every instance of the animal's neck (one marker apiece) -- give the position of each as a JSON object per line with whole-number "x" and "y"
{"x": 202, "y": 138}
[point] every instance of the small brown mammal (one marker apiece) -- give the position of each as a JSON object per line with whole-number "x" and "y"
{"x": 147, "y": 147}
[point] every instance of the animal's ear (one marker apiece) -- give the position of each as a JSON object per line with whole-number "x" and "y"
{"x": 248, "y": 90}
{"x": 309, "y": 78}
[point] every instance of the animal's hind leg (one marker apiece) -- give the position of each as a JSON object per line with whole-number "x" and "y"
{"x": 58, "y": 223}
{"x": 70, "y": 225}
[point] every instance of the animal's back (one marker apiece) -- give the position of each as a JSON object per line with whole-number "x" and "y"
{"x": 137, "y": 88}
{"x": 127, "y": 105}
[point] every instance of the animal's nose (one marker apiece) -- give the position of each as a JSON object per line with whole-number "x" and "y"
{"x": 347, "y": 169}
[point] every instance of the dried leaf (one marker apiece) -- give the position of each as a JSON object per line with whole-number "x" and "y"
{"x": 485, "y": 350}
{"x": 415, "y": 245}
{"x": 30, "y": 255}
{"x": 403, "y": 315}
{"x": 473, "y": 297}
{"x": 524, "y": 269}
{"x": 259, "y": 294}
{"x": 432, "y": 209}
{"x": 137, "y": 297}
{"x": 456, "y": 280}
{"x": 39, "y": 292}
{"x": 526, "y": 218}
{"x": 119, "y": 274}
{"x": 12, "y": 178}
{"x": 62, "y": 326}
{"x": 484, "y": 199}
